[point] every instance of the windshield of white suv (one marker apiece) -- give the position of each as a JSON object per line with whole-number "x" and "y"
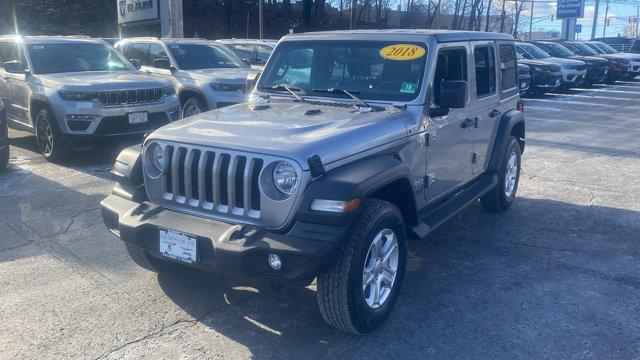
{"x": 561, "y": 50}
{"x": 372, "y": 70}
{"x": 62, "y": 57}
{"x": 605, "y": 48}
{"x": 203, "y": 56}
{"x": 533, "y": 51}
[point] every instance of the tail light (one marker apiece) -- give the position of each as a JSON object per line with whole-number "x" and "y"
{"x": 520, "y": 106}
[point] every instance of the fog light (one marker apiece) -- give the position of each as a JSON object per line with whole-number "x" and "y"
{"x": 274, "y": 261}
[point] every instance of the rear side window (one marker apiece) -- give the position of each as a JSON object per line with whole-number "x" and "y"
{"x": 139, "y": 52}
{"x": 156, "y": 51}
{"x": 263, "y": 54}
{"x": 5, "y": 51}
{"x": 485, "y": 64}
{"x": 244, "y": 51}
{"x": 508, "y": 67}
{"x": 452, "y": 65}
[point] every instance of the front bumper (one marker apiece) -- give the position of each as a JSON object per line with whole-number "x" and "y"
{"x": 219, "y": 99}
{"x": 544, "y": 81}
{"x": 573, "y": 77}
{"x": 84, "y": 119}
{"x": 232, "y": 250}
{"x": 597, "y": 74}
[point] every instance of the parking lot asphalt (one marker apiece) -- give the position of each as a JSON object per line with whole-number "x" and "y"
{"x": 557, "y": 276}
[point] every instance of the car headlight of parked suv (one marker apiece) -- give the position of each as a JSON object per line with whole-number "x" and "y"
{"x": 154, "y": 160}
{"x": 78, "y": 95}
{"x": 227, "y": 87}
{"x": 169, "y": 90}
{"x": 285, "y": 177}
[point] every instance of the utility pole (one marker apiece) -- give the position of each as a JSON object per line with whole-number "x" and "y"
{"x": 503, "y": 15}
{"x": 352, "y": 25}
{"x": 531, "y": 20}
{"x": 606, "y": 14}
{"x": 438, "y": 14}
{"x": 595, "y": 19}
{"x": 261, "y": 16}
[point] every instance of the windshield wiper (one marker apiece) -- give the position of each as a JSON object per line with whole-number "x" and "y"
{"x": 290, "y": 89}
{"x": 349, "y": 93}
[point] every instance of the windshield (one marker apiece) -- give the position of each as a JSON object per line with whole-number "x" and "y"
{"x": 605, "y": 48}
{"x": 585, "y": 49}
{"x": 533, "y": 51}
{"x": 561, "y": 50}
{"x": 203, "y": 56}
{"x": 373, "y": 70}
{"x": 50, "y": 58}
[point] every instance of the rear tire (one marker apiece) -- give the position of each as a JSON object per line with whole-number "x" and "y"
{"x": 192, "y": 106}
{"x": 501, "y": 196}
{"x": 148, "y": 262}
{"x": 49, "y": 138}
{"x": 376, "y": 250}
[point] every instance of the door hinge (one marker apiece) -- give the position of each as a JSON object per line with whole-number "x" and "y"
{"x": 430, "y": 179}
{"x": 429, "y": 138}
{"x": 475, "y": 157}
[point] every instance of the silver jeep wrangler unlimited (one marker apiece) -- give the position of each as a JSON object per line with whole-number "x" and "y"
{"x": 352, "y": 142}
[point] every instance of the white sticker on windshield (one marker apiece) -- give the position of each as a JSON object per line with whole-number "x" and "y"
{"x": 38, "y": 47}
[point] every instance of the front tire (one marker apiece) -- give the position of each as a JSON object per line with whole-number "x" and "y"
{"x": 501, "y": 196}
{"x": 192, "y": 106}
{"x": 49, "y": 138}
{"x": 357, "y": 294}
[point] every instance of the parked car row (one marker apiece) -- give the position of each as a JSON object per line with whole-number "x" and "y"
{"x": 559, "y": 65}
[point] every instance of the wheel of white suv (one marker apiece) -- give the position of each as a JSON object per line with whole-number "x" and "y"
{"x": 358, "y": 293}
{"x": 501, "y": 197}
{"x": 48, "y": 137}
{"x": 192, "y": 106}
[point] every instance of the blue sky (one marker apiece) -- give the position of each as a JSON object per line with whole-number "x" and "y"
{"x": 543, "y": 9}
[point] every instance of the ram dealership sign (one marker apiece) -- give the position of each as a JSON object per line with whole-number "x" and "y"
{"x": 137, "y": 10}
{"x": 568, "y": 9}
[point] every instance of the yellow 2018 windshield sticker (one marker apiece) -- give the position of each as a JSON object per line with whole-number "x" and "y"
{"x": 402, "y": 52}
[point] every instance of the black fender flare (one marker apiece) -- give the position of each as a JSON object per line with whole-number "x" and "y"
{"x": 191, "y": 89}
{"x": 508, "y": 122}
{"x": 355, "y": 180}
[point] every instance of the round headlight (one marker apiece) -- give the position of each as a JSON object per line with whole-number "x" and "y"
{"x": 285, "y": 177}
{"x": 157, "y": 156}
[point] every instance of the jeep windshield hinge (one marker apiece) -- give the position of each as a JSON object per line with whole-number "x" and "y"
{"x": 431, "y": 178}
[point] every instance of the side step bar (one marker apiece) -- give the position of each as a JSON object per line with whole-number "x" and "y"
{"x": 445, "y": 211}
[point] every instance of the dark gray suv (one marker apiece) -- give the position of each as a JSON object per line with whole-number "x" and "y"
{"x": 351, "y": 143}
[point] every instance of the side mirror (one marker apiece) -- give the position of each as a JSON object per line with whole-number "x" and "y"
{"x": 15, "y": 67}
{"x": 162, "y": 64}
{"x": 252, "y": 80}
{"x": 453, "y": 94}
{"x": 135, "y": 63}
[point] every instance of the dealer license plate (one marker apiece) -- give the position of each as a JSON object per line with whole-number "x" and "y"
{"x": 178, "y": 246}
{"x": 137, "y": 118}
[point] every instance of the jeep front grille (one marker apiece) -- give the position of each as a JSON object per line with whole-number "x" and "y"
{"x": 218, "y": 181}
{"x": 128, "y": 97}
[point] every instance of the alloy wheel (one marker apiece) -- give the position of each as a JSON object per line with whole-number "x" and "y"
{"x": 380, "y": 268}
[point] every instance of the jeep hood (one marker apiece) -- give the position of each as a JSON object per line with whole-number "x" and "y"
{"x": 225, "y": 76}
{"x": 562, "y": 61}
{"x": 285, "y": 130}
{"x": 101, "y": 80}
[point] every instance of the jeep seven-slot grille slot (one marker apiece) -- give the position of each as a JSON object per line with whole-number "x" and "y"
{"x": 213, "y": 180}
{"x": 127, "y": 97}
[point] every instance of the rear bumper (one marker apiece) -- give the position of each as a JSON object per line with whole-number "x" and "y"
{"x": 235, "y": 251}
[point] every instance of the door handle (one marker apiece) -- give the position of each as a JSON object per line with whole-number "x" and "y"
{"x": 494, "y": 113}
{"x": 466, "y": 123}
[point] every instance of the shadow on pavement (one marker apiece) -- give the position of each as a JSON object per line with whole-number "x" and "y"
{"x": 486, "y": 285}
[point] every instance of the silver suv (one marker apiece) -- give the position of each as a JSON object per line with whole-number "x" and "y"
{"x": 72, "y": 90}
{"x": 207, "y": 75}
{"x": 352, "y": 143}
{"x": 252, "y": 51}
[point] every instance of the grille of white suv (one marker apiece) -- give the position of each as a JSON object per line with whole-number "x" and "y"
{"x": 127, "y": 97}
{"x": 222, "y": 184}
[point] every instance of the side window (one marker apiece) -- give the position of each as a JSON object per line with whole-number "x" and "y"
{"x": 245, "y": 51}
{"x": 139, "y": 51}
{"x": 451, "y": 65}
{"x": 508, "y": 67}
{"x": 5, "y": 51}
{"x": 156, "y": 51}
{"x": 295, "y": 67}
{"x": 485, "y": 64}
{"x": 262, "y": 55}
